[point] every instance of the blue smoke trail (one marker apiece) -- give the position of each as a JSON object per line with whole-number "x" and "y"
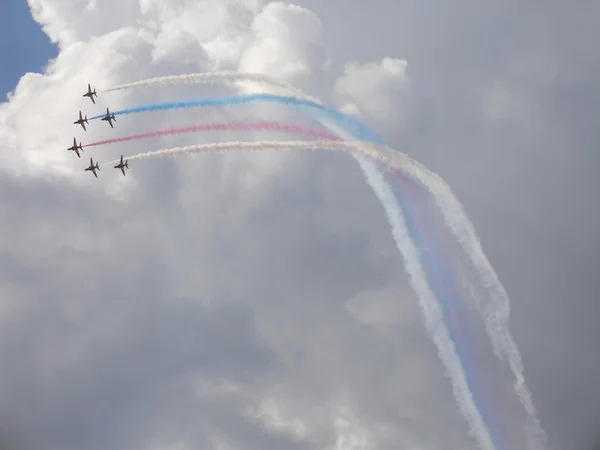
{"x": 367, "y": 134}
{"x": 361, "y": 132}
{"x": 349, "y": 122}
{"x": 450, "y": 303}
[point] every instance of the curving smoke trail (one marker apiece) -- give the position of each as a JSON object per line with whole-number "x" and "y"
{"x": 403, "y": 225}
{"x": 495, "y": 308}
{"x": 350, "y": 125}
{"x": 434, "y": 317}
{"x": 215, "y": 78}
{"x": 225, "y": 126}
{"x": 348, "y": 122}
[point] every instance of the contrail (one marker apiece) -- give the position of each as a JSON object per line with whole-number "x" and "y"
{"x": 372, "y": 175}
{"x": 225, "y": 126}
{"x": 349, "y": 122}
{"x": 495, "y": 312}
{"x": 473, "y": 410}
{"x": 382, "y": 190}
{"x": 214, "y": 78}
{"x": 430, "y": 308}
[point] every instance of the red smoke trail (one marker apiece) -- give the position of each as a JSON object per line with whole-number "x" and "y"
{"x": 227, "y": 126}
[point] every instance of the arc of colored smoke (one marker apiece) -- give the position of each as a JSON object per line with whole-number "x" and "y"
{"x": 402, "y": 226}
{"x": 495, "y": 311}
{"x": 225, "y": 126}
{"x": 395, "y": 216}
{"x": 430, "y": 308}
{"x": 373, "y": 176}
{"x": 349, "y": 122}
{"x": 451, "y": 360}
{"x": 214, "y": 78}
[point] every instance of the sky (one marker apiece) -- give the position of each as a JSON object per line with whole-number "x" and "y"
{"x": 24, "y": 44}
{"x": 258, "y": 301}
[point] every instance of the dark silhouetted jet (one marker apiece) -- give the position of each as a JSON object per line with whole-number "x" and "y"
{"x": 93, "y": 167}
{"x": 109, "y": 117}
{"x": 122, "y": 165}
{"x": 76, "y": 147}
{"x": 81, "y": 121}
{"x": 91, "y": 94}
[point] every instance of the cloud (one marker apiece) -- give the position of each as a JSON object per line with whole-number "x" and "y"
{"x": 286, "y": 43}
{"x": 374, "y": 89}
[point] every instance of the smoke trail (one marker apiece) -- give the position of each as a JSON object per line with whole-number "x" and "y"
{"x": 213, "y": 78}
{"x": 495, "y": 311}
{"x": 225, "y": 126}
{"x": 450, "y": 357}
{"x": 372, "y": 175}
{"x": 430, "y": 308}
{"x": 349, "y": 122}
{"x": 455, "y": 217}
{"x": 370, "y": 171}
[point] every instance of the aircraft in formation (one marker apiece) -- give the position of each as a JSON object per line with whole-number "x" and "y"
{"x": 122, "y": 165}
{"x": 75, "y": 148}
{"x": 91, "y": 94}
{"x": 110, "y": 118}
{"x": 82, "y": 121}
{"x": 93, "y": 167}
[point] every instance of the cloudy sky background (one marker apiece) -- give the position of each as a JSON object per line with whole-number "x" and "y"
{"x": 258, "y": 301}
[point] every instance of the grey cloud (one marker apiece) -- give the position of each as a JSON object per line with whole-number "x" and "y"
{"x": 528, "y": 180}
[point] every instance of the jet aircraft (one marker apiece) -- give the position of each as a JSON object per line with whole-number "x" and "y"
{"x": 109, "y": 117}
{"x": 76, "y": 147}
{"x": 93, "y": 167}
{"x": 122, "y": 165}
{"x": 91, "y": 94}
{"x": 81, "y": 121}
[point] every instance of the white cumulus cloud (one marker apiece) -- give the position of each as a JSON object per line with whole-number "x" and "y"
{"x": 374, "y": 89}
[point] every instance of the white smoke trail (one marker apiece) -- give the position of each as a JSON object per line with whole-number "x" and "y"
{"x": 495, "y": 311}
{"x": 428, "y": 304}
{"x": 214, "y": 78}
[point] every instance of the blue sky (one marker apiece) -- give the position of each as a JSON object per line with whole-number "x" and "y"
{"x": 23, "y": 45}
